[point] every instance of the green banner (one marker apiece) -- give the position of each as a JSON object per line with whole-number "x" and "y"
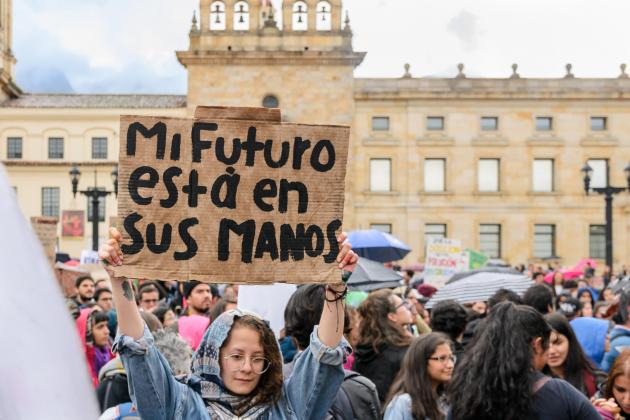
{"x": 476, "y": 259}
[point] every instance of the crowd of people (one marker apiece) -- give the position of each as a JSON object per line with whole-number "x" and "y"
{"x": 165, "y": 349}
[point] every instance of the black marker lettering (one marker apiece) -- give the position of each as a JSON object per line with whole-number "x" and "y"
{"x": 316, "y": 154}
{"x": 159, "y": 130}
{"x": 285, "y": 187}
{"x": 135, "y": 182}
{"x": 187, "y": 239}
{"x": 137, "y": 242}
{"x": 246, "y": 229}
{"x": 265, "y": 188}
{"x": 197, "y": 144}
{"x": 168, "y": 176}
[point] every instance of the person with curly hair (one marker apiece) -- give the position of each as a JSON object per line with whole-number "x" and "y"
{"x": 384, "y": 337}
{"x": 499, "y": 375}
{"x": 419, "y": 388}
{"x": 237, "y": 369}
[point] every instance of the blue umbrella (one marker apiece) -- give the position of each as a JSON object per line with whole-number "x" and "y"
{"x": 377, "y": 246}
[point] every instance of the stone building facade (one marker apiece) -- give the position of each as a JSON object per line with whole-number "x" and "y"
{"x": 492, "y": 162}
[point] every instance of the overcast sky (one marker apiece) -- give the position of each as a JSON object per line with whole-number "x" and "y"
{"x": 127, "y": 46}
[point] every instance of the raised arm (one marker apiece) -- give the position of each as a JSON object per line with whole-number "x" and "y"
{"x": 129, "y": 321}
{"x": 331, "y": 322}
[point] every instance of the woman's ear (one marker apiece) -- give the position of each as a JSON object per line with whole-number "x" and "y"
{"x": 392, "y": 316}
{"x": 537, "y": 345}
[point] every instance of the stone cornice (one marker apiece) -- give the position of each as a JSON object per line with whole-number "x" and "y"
{"x": 488, "y": 89}
{"x": 325, "y": 58}
{"x": 62, "y": 163}
{"x": 9, "y": 86}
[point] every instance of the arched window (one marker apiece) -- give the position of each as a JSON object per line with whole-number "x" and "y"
{"x": 241, "y": 16}
{"x": 217, "y": 16}
{"x": 271, "y": 101}
{"x": 300, "y": 16}
{"x": 324, "y": 16}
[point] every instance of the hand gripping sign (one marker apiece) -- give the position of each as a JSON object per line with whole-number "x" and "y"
{"x": 232, "y": 196}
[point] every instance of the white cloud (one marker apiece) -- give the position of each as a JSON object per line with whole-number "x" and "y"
{"x": 464, "y": 26}
{"x": 122, "y": 45}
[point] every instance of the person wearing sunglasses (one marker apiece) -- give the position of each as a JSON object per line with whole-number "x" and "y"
{"x": 418, "y": 390}
{"x": 384, "y": 337}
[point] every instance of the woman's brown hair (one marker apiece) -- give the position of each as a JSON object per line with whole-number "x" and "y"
{"x": 269, "y": 388}
{"x": 620, "y": 367}
{"x": 413, "y": 377}
{"x": 375, "y": 328}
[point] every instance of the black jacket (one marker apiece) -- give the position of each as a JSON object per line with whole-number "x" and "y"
{"x": 382, "y": 367}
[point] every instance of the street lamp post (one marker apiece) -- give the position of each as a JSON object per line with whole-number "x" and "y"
{"x": 94, "y": 194}
{"x": 608, "y": 191}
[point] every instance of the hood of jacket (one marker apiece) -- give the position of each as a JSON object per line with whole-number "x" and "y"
{"x": 619, "y": 331}
{"x": 366, "y": 352}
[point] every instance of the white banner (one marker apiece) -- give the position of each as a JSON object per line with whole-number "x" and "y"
{"x": 445, "y": 257}
{"x": 43, "y": 369}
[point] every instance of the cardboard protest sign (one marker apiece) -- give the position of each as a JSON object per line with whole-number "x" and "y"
{"x": 444, "y": 258}
{"x": 231, "y": 196}
{"x": 46, "y": 230}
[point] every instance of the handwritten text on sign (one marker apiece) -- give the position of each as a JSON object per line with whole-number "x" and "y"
{"x": 224, "y": 200}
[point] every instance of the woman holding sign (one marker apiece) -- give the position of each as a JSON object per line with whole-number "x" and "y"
{"x": 237, "y": 369}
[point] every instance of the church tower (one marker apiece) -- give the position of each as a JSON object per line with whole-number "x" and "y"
{"x": 299, "y": 58}
{"x": 8, "y": 88}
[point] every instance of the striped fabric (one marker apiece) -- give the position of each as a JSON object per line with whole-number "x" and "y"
{"x": 480, "y": 286}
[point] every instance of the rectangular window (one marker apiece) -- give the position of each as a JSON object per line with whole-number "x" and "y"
{"x": 542, "y": 175}
{"x": 380, "y": 175}
{"x": 434, "y": 175}
{"x": 50, "y": 201}
{"x": 489, "y": 123}
{"x": 433, "y": 230}
{"x": 383, "y": 227}
{"x": 14, "y": 148}
{"x": 101, "y": 206}
{"x": 544, "y": 241}
{"x": 99, "y": 147}
{"x": 488, "y": 175}
{"x": 599, "y": 177}
{"x": 544, "y": 123}
{"x": 435, "y": 123}
{"x": 55, "y": 148}
{"x": 599, "y": 123}
{"x": 597, "y": 241}
{"x": 490, "y": 240}
{"x": 380, "y": 123}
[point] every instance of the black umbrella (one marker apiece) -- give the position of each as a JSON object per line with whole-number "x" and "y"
{"x": 479, "y": 286}
{"x": 370, "y": 275}
{"x": 465, "y": 274}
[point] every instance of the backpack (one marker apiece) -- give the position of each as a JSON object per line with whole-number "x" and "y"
{"x": 357, "y": 399}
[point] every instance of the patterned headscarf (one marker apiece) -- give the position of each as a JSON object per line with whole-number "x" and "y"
{"x": 206, "y": 367}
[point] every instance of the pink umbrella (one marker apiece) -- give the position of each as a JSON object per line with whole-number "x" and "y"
{"x": 574, "y": 272}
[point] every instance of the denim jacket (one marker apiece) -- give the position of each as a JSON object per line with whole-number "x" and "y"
{"x": 399, "y": 408}
{"x": 307, "y": 394}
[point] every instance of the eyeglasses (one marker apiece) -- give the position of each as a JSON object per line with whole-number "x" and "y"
{"x": 445, "y": 358}
{"x": 405, "y": 304}
{"x": 237, "y": 361}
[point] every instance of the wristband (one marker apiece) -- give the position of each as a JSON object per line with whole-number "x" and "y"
{"x": 345, "y": 276}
